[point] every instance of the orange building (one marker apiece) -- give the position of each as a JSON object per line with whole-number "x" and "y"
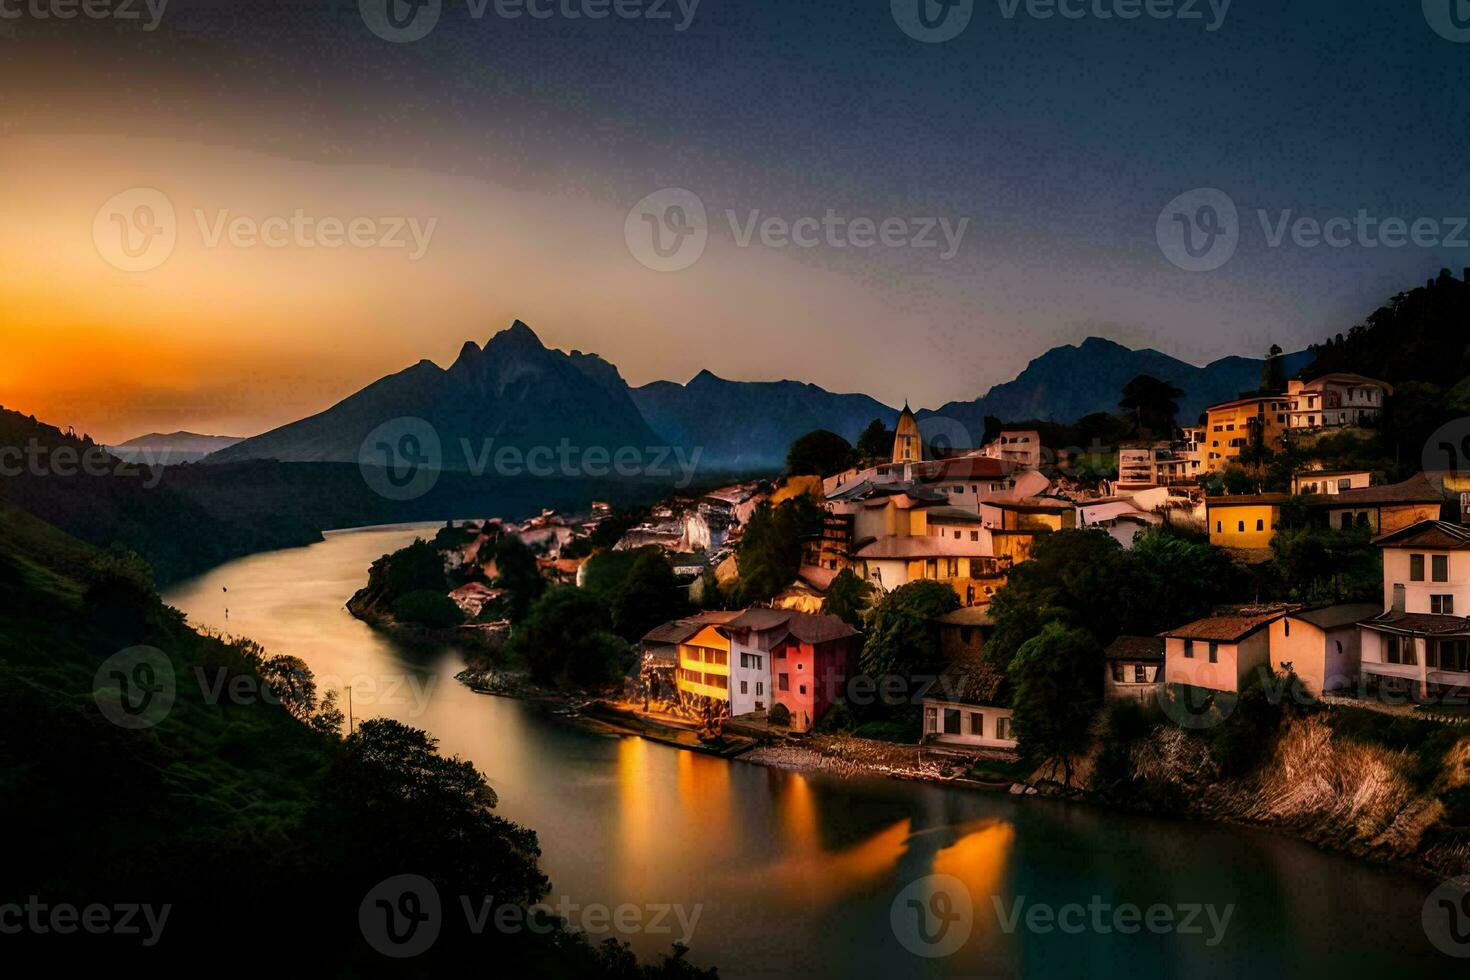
{"x": 1234, "y": 426}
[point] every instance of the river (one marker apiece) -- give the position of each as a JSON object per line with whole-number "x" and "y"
{"x": 774, "y": 874}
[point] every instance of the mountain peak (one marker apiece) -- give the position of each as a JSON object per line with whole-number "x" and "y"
{"x": 705, "y": 376}
{"x": 517, "y": 335}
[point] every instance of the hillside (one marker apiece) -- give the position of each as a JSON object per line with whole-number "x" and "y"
{"x": 78, "y": 486}
{"x": 749, "y": 424}
{"x": 1071, "y": 382}
{"x": 226, "y": 816}
{"x": 512, "y": 393}
{"x": 165, "y": 448}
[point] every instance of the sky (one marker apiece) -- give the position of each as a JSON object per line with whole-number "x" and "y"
{"x": 883, "y": 210}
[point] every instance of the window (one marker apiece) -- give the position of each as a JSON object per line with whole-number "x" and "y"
{"x": 1140, "y": 674}
{"x": 801, "y": 689}
{"x": 1217, "y": 527}
{"x": 1454, "y": 655}
{"x": 931, "y": 720}
{"x": 1240, "y": 526}
{"x": 1260, "y": 524}
{"x": 1344, "y": 484}
{"x": 1287, "y": 624}
{"x": 744, "y": 689}
{"x": 1416, "y": 568}
{"x": 1399, "y": 650}
{"x": 760, "y": 688}
{"x": 1439, "y": 568}
{"x": 1443, "y": 605}
{"x": 1214, "y": 652}
{"x": 783, "y": 682}
{"x": 1189, "y": 649}
{"x": 977, "y": 723}
{"x": 951, "y": 721}
{"x": 974, "y": 535}
{"x": 1003, "y": 728}
{"x": 1118, "y": 674}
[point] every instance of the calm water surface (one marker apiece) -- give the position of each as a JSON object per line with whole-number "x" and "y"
{"x": 799, "y": 875}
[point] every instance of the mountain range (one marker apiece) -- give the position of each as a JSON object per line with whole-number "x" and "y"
{"x": 165, "y": 448}
{"x": 514, "y": 391}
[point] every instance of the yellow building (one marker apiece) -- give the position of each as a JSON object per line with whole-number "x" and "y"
{"x": 1230, "y": 428}
{"x": 908, "y": 444}
{"x": 1244, "y": 521}
{"x": 702, "y": 675}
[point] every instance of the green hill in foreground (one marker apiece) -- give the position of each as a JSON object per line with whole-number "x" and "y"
{"x": 247, "y": 827}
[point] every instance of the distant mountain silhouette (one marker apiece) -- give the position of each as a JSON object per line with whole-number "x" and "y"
{"x": 166, "y": 448}
{"x": 514, "y": 391}
{"x": 749, "y": 424}
{"x": 1070, "y": 382}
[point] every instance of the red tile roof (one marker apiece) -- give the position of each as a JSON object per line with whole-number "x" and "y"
{"x": 1140, "y": 648}
{"x": 1424, "y": 623}
{"x": 1224, "y": 629}
{"x": 1417, "y": 489}
{"x": 1429, "y": 535}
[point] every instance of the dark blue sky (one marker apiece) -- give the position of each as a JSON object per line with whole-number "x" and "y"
{"x": 1059, "y": 140}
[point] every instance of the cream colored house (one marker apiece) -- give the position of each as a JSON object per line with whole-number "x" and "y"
{"x": 1334, "y": 400}
{"x": 1421, "y": 642}
{"x": 1218, "y": 653}
{"x": 1320, "y": 645}
{"x": 1330, "y": 482}
{"x": 969, "y": 707}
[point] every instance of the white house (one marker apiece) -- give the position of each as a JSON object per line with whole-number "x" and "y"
{"x": 751, "y": 635}
{"x": 1321, "y": 645}
{"x": 1421, "y": 642}
{"x": 969, "y": 706}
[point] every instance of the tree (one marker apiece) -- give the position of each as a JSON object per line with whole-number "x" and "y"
{"x": 1324, "y": 565}
{"x": 427, "y": 608}
{"x": 769, "y": 553}
{"x": 517, "y": 573}
{"x": 1083, "y": 578}
{"x": 293, "y": 684}
{"x": 849, "y": 598}
{"x": 819, "y": 453}
{"x": 903, "y": 639}
{"x": 649, "y": 596}
{"x": 1273, "y": 373}
{"x": 1153, "y": 405}
{"x": 876, "y": 441}
{"x": 416, "y": 567}
{"x": 1055, "y": 677}
{"x": 567, "y": 640}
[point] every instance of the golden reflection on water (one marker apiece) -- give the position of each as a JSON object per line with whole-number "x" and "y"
{"x": 978, "y": 858}
{"x": 638, "y": 825}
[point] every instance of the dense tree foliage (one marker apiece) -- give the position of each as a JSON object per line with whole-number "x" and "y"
{"x": 427, "y": 608}
{"x": 517, "y": 573}
{"x": 649, "y": 595}
{"x": 769, "y": 552}
{"x": 849, "y": 598}
{"x": 1151, "y": 404}
{"x": 819, "y": 453}
{"x": 903, "y": 639}
{"x": 876, "y": 441}
{"x": 567, "y": 640}
{"x": 1056, "y": 680}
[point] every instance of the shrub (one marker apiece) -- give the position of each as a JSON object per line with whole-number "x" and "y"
{"x": 427, "y": 608}
{"x": 837, "y": 719}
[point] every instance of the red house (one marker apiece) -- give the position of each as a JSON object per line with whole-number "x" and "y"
{"x": 810, "y": 665}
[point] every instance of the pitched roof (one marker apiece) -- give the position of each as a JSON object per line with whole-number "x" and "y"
{"x": 1225, "y": 629}
{"x": 1417, "y": 489}
{"x": 1336, "y": 617}
{"x": 1426, "y": 623}
{"x": 681, "y": 630}
{"x": 968, "y": 468}
{"x": 1430, "y": 535}
{"x": 759, "y": 619}
{"x": 1145, "y": 648}
{"x": 1347, "y": 378}
{"x": 970, "y": 679}
{"x": 806, "y": 627}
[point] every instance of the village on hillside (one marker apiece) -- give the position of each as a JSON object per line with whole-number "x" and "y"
{"x": 864, "y": 592}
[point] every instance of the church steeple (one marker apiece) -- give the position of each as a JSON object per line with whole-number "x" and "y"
{"x": 908, "y": 445}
